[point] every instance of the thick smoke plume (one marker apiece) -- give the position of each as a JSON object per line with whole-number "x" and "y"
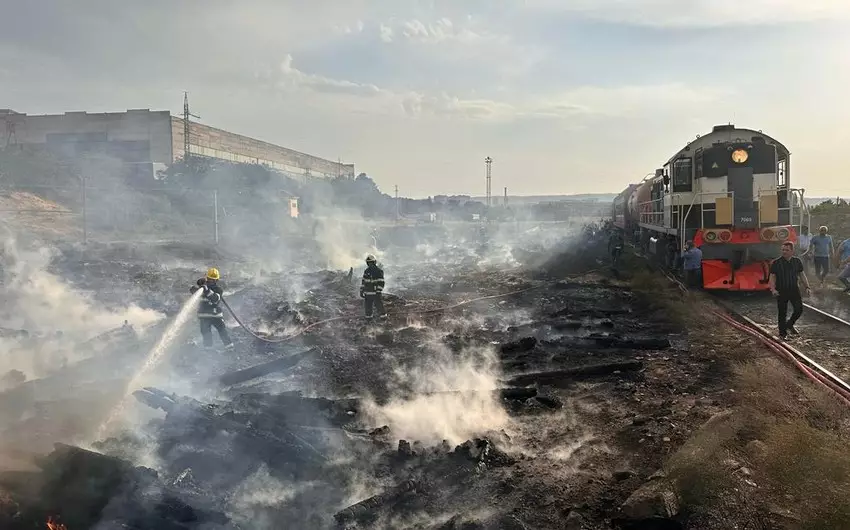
{"x": 55, "y": 316}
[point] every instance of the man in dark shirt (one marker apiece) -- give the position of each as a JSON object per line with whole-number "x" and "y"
{"x": 785, "y": 273}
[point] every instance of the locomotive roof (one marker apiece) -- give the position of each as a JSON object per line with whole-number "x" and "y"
{"x": 727, "y": 133}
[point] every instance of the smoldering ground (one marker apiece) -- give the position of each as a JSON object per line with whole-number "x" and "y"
{"x": 423, "y": 403}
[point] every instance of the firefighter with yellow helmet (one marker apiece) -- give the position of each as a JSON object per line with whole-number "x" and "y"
{"x": 209, "y": 310}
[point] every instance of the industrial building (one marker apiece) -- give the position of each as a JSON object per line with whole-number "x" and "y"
{"x": 152, "y": 140}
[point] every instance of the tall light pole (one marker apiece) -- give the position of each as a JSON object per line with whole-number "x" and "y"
{"x": 488, "y": 162}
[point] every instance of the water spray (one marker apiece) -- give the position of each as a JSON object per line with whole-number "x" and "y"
{"x": 154, "y": 358}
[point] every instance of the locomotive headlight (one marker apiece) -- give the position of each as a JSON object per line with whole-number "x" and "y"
{"x": 739, "y": 156}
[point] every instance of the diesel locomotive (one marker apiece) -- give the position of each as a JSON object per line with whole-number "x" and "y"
{"x": 729, "y": 192}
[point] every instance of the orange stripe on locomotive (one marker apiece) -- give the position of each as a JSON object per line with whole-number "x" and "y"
{"x": 719, "y": 273}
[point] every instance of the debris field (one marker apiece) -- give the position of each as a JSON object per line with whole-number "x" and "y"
{"x": 535, "y": 393}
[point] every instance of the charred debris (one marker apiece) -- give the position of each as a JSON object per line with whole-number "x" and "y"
{"x": 315, "y": 432}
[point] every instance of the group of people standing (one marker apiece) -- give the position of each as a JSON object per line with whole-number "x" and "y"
{"x": 821, "y": 252}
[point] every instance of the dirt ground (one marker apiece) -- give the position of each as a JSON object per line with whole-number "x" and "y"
{"x": 560, "y": 396}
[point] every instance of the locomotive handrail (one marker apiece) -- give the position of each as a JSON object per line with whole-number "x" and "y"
{"x": 649, "y": 215}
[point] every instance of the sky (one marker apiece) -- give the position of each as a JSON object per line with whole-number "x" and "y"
{"x": 566, "y": 96}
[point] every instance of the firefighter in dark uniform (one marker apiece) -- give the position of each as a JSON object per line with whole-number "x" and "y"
{"x": 615, "y": 246}
{"x": 372, "y": 286}
{"x": 209, "y": 310}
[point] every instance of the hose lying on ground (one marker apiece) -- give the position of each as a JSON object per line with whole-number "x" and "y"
{"x": 410, "y": 313}
{"x": 782, "y": 349}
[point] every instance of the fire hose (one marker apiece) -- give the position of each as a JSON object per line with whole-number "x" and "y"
{"x": 408, "y": 313}
{"x": 777, "y": 347}
{"x": 818, "y": 378}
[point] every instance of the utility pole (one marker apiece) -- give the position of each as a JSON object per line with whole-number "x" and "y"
{"x": 488, "y": 162}
{"x": 506, "y": 196}
{"x": 85, "y": 224}
{"x": 186, "y": 116}
{"x": 215, "y": 214}
{"x": 397, "y": 216}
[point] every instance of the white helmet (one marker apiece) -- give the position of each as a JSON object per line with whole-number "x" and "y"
{"x": 370, "y": 259}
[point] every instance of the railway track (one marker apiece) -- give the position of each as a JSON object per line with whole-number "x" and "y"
{"x": 820, "y": 351}
{"x": 821, "y": 345}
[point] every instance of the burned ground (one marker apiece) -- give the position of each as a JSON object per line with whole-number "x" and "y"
{"x": 537, "y": 392}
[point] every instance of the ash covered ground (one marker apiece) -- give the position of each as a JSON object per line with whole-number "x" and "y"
{"x": 503, "y": 391}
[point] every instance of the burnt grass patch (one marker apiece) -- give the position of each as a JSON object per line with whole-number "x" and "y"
{"x": 583, "y": 402}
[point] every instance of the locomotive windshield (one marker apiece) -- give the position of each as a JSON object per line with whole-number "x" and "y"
{"x": 715, "y": 161}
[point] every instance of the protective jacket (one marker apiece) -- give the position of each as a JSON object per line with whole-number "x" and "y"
{"x": 211, "y": 299}
{"x": 615, "y": 241}
{"x": 373, "y": 280}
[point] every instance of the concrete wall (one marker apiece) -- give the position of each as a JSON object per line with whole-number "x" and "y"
{"x": 155, "y": 139}
{"x": 135, "y": 136}
{"x": 216, "y": 143}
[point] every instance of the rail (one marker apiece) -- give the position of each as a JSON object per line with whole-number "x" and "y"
{"x": 808, "y": 366}
{"x": 827, "y": 315}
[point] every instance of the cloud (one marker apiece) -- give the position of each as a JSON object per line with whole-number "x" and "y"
{"x": 457, "y": 46}
{"x": 350, "y": 29}
{"x": 336, "y": 95}
{"x": 386, "y": 33}
{"x": 293, "y": 78}
{"x": 543, "y": 83}
{"x": 696, "y": 13}
{"x": 442, "y": 30}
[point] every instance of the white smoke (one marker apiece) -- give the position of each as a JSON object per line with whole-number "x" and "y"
{"x": 55, "y": 315}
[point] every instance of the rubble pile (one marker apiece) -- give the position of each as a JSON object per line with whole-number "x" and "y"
{"x": 471, "y": 406}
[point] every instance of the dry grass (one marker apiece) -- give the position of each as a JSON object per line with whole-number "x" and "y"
{"x": 789, "y": 435}
{"x": 792, "y": 438}
{"x": 802, "y": 439}
{"x": 810, "y": 467}
{"x": 659, "y": 296}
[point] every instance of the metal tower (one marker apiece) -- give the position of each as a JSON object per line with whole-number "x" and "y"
{"x": 186, "y": 116}
{"x": 488, "y": 162}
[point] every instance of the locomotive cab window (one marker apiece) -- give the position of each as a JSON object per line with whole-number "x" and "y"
{"x": 781, "y": 173}
{"x": 682, "y": 174}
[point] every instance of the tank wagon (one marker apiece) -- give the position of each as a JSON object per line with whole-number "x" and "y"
{"x": 729, "y": 192}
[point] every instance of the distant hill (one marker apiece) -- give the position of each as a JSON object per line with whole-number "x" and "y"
{"x": 532, "y": 199}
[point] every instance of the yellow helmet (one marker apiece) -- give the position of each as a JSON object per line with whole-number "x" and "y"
{"x": 212, "y": 274}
